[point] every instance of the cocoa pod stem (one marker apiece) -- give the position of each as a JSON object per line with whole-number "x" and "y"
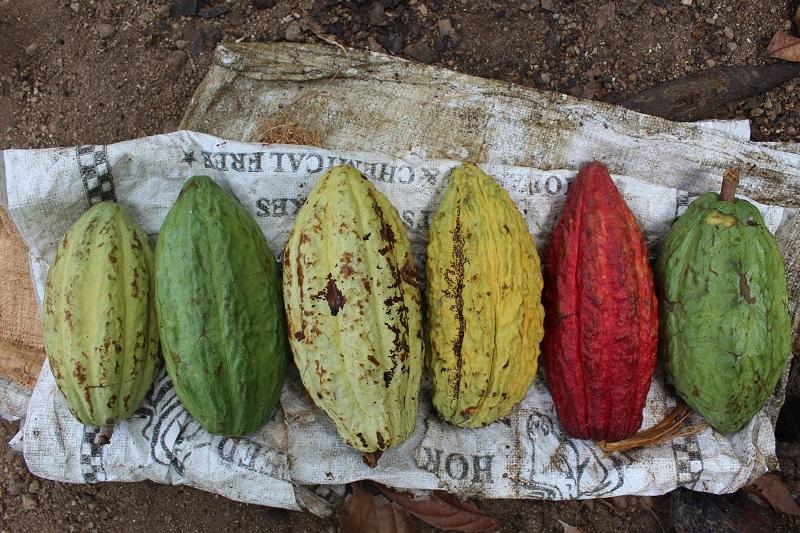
{"x": 670, "y": 428}
{"x": 730, "y": 180}
{"x": 371, "y": 458}
{"x": 104, "y": 437}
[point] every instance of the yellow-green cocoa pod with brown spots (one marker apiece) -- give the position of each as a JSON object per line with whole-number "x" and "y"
{"x": 100, "y": 327}
{"x": 353, "y": 309}
{"x": 484, "y": 301}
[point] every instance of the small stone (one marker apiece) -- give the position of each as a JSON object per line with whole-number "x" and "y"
{"x": 294, "y": 32}
{"x": 163, "y": 12}
{"x": 177, "y": 59}
{"x": 703, "y": 4}
{"x": 181, "y": 44}
{"x": 29, "y": 502}
{"x": 767, "y": 104}
{"x": 756, "y": 112}
{"x": 732, "y": 46}
{"x": 374, "y": 45}
{"x": 236, "y": 19}
{"x": 633, "y": 77}
{"x": 34, "y": 486}
{"x": 264, "y": 4}
{"x": 75, "y": 6}
{"x": 15, "y": 486}
{"x": 446, "y": 27}
{"x": 106, "y": 31}
{"x": 729, "y": 32}
{"x": 421, "y": 52}
{"x": 711, "y": 63}
{"x": 145, "y": 19}
{"x": 547, "y": 5}
{"x": 183, "y": 8}
{"x": 32, "y": 49}
{"x": 787, "y": 24}
{"x": 686, "y": 2}
{"x": 393, "y": 42}
{"x": 545, "y": 77}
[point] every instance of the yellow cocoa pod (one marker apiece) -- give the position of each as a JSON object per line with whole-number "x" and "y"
{"x": 353, "y": 309}
{"x": 484, "y": 301}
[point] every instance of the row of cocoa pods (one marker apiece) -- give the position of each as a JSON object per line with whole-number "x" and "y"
{"x": 350, "y": 306}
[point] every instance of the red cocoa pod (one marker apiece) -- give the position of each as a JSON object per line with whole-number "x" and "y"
{"x": 601, "y": 320}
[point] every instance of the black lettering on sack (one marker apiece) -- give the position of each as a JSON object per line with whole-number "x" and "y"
{"x": 278, "y": 160}
{"x": 408, "y": 218}
{"x": 237, "y": 162}
{"x": 553, "y": 185}
{"x": 219, "y": 161}
{"x": 295, "y": 160}
{"x": 249, "y": 455}
{"x": 457, "y": 466}
{"x": 320, "y": 163}
{"x": 482, "y": 468}
{"x": 240, "y": 162}
{"x": 278, "y": 207}
{"x": 207, "y": 163}
{"x": 405, "y": 175}
{"x": 430, "y": 175}
{"x": 433, "y": 460}
{"x": 382, "y": 176}
{"x": 254, "y": 162}
{"x": 456, "y": 462}
{"x": 226, "y": 452}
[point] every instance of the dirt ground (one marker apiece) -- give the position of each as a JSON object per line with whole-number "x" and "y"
{"x": 98, "y": 71}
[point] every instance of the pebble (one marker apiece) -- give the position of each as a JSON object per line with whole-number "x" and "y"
{"x": 181, "y": 44}
{"x": 15, "y": 487}
{"x": 294, "y": 32}
{"x": 264, "y": 4}
{"x": 545, "y": 77}
{"x": 32, "y": 49}
{"x": 729, "y": 32}
{"x": 756, "y": 112}
{"x": 421, "y": 52}
{"x": 686, "y": 2}
{"x": 548, "y": 5}
{"x": 29, "y": 502}
{"x": 703, "y": 4}
{"x": 106, "y": 31}
{"x": 446, "y": 27}
{"x": 163, "y": 12}
{"x": 711, "y": 63}
{"x": 733, "y": 47}
{"x": 34, "y": 486}
{"x": 236, "y": 18}
{"x": 177, "y": 59}
{"x": 75, "y": 6}
{"x": 392, "y": 42}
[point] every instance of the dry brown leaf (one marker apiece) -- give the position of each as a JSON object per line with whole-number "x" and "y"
{"x": 784, "y": 46}
{"x": 776, "y": 493}
{"x": 362, "y": 511}
{"x": 442, "y": 511}
{"x": 797, "y": 18}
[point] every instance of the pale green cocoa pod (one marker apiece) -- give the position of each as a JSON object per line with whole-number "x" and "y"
{"x": 100, "y": 327}
{"x": 353, "y": 309}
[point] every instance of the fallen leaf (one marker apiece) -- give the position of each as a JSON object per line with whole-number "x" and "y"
{"x": 797, "y": 17}
{"x": 699, "y": 511}
{"x": 776, "y": 493}
{"x": 570, "y": 529}
{"x": 605, "y": 13}
{"x": 362, "y": 511}
{"x": 442, "y": 510}
{"x": 784, "y": 46}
